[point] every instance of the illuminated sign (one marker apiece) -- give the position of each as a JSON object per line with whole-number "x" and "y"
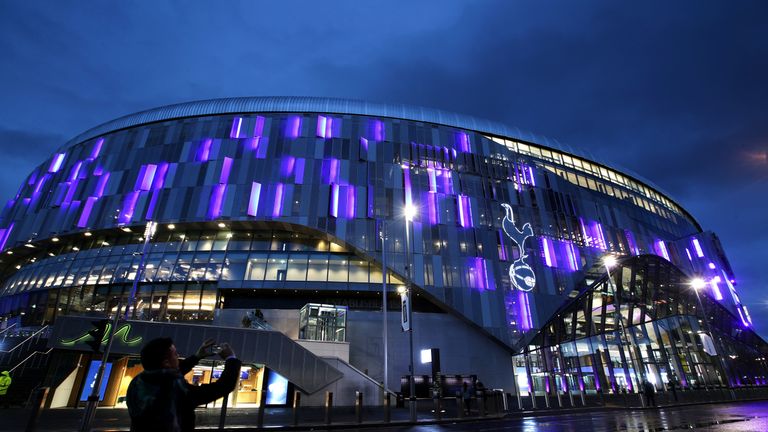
{"x": 121, "y": 333}
{"x": 520, "y": 273}
{"x": 91, "y": 380}
{"x": 277, "y": 389}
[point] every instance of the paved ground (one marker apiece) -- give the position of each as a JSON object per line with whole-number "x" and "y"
{"x": 745, "y": 416}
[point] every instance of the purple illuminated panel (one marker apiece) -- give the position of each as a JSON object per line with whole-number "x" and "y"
{"x": 330, "y": 170}
{"x": 6, "y": 233}
{"x": 531, "y": 178}
{"x": 713, "y": 284}
{"x": 376, "y": 130}
{"x": 371, "y": 208}
{"x": 299, "y": 178}
{"x": 96, "y": 150}
{"x": 152, "y": 205}
{"x": 465, "y": 211}
{"x": 502, "y": 249}
{"x": 573, "y": 257}
{"x": 75, "y": 171}
{"x": 146, "y": 177}
{"x": 71, "y": 189}
{"x": 162, "y": 171}
{"x": 688, "y": 252}
{"x": 204, "y": 150}
{"x": 129, "y": 206}
{"x": 432, "y": 210}
{"x": 632, "y": 243}
{"x": 363, "y": 148}
{"x": 98, "y": 170}
{"x": 697, "y": 248}
{"x": 549, "y": 255}
{"x": 333, "y": 209}
{"x": 217, "y": 198}
{"x": 237, "y": 125}
{"x": 593, "y": 234}
{"x": 293, "y": 127}
{"x": 524, "y": 309}
{"x": 101, "y": 184}
{"x": 478, "y": 278}
{"x": 258, "y": 128}
{"x": 277, "y": 207}
{"x": 226, "y": 169}
{"x": 462, "y": 141}
{"x": 407, "y": 187}
{"x": 322, "y": 124}
{"x": 87, "y": 207}
{"x": 351, "y": 198}
{"x": 287, "y": 165}
{"x": 55, "y": 166}
{"x": 661, "y": 249}
{"x": 432, "y": 179}
{"x": 253, "y": 202}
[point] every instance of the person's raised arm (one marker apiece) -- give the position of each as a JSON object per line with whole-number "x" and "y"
{"x": 204, "y": 351}
{"x": 226, "y": 383}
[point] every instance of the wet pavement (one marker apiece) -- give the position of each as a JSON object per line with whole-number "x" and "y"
{"x": 743, "y": 416}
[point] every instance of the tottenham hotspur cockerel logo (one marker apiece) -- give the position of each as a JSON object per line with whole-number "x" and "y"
{"x": 520, "y": 273}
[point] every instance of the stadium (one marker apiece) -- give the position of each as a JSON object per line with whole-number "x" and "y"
{"x": 297, "y": 228}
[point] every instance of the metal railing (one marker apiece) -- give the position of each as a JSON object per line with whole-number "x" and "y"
{"x": 10, "y": 355}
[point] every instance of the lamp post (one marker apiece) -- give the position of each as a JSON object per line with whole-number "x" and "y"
{"x": 410, "y": 212}
{"x": 697, "y": 284}
{"x": 149, "y": 231}
{"x": 383, "y": 235}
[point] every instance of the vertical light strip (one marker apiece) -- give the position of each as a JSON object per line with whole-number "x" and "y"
{"x": 226, "y": 169}
{"x": 129, "y": 205}
{"x": 55, "y": 166}
{"x": 433, "y": 213}
{"x": 277, "y": 207}
{"x": 571, "y": 252}
{"x": 502, "y": 249}
{"x": 299, "y": 177}
{"x": 600, "y": 236}
{"x": 320, "y": 129}
{"x": 334, "y": 202}
{"x": 545, "y": 247}
{"x": 460, "y": 205}
{"x": 526, "y": 323}
{"x": 258, "y": 129}
{"x": 293, "y": 127}
{"x": 75, "y": 171}
{"x": 663, "y": 249}
{"x": 237, "y": 123}
{"x": 432, "y": 180}
{"x": 697, "y": 247}
{"x": 253, "y": 202}
{"x": 96, "y": 150}
{"x": 86, "y": 214}
{"x": 351, "y": 201}
{"x": 217, "y": 198}
{"x": 407, "y": 187}
{"x": 371, "y": 207}
{"x": 146, "y": 177}
{"x": 101, "y": 184}
{"x": 204, "y": 150}
{"x": 713, "y": 284}
{"x": 4, "y": 237}
{"x": 530, "y": 175}
{"x": 688, "y": 252}
{"x": 162, "y": 171}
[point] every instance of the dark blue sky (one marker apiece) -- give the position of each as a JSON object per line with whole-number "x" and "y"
{"x": 676, "y": 91}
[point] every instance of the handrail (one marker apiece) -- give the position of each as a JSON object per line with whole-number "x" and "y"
{"x": 25, "y": 340}
{"x": 29, "y": 357}
{"x": 5, "y": 330}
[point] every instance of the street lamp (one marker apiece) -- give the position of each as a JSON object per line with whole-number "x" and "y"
{"x": 410, "y": 213}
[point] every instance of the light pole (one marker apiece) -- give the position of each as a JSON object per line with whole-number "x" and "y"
{"x": 410, "y": 212}
{"x": 383, "y": 235}
{"x": 149, "y": 231}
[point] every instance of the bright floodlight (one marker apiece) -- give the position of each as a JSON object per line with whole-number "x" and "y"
{"x": 401, "y": 289}
{"x": 426, "y": 356}
{"x": 410, "y": 212}
{"x": 698, "y": 283}
{"x": 609, "y": 261}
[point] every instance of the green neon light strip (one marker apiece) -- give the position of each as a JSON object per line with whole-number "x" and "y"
{"x": 122, "y": 332}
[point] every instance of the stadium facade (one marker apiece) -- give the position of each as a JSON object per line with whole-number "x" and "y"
{"x": 532, "y": 265}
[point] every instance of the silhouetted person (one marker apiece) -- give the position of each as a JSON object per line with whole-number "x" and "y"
{"x": 161, "y": 400}
{"x": 673, "y": 383}
{"x": 466, "y": 394}
{"x": 650, "y": 393}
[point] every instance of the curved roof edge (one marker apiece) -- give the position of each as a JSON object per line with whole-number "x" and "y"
{"x": 297, "y": 104}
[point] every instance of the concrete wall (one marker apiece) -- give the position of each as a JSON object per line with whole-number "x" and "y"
{"x": 345, "y": 388}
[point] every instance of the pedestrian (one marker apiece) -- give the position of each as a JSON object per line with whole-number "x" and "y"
{"x": 5, "y": 382}
{"x": 650, "y": 393}
{"x": 673, "y": 381}
{"x": 160, "y": 399}
{"x": 466, "y": 394}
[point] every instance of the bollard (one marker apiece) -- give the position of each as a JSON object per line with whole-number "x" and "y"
{"x": 328, "y": 406}
{"x": 223, "y": 414}
{"x": 436, "y": 404}
{"x": 296, "y": 406}
{"x": 459, "y": 405}
{"x": 262, "y": 408}
{"x": 38, "y": 403}
{"x": 359, "y": 406}
{"x": 387, "y": 403}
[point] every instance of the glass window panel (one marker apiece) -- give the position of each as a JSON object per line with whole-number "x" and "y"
{"x": 297, "y": 268}
{"x": 317, "y": 268}
{"x": 256, "y": 267}
{"x": 337, "y": 269}
{"x": 358, "y": 271}
{"x": 234, "y": 266}
{"x": 276, "y": 267}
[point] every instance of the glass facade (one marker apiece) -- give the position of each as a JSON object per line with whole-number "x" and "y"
{"x": 286, "y": 199}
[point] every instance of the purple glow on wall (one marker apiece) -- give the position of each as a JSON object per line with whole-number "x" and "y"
{"x": 462, "y": 141}
{"x": 330, "y": 170}
{"x": 545, "y": 246}
{"x": 746, "y": 314}
{"x": 363, "y": 148}
{"x": 293, "y": 127}
{"x": 334, "y": 201}
{"x": 715, "y": 288}
{"x": 70, "y": 195}
{"x": 217, "y": 198}
{"x": 371, "y": 208}
{"x": 129, "y": 206}
{"x": 465, "y": 211}
{"x": 253, "y": 202}
{"x": 226, "y": 169}
{"x": 96, "y": 150}
{"x": 26, "y": 201}
{"x": 525, "y": 321}
{"x": 741, "y": 315}
{"x": 204, "y": 150}
{"x": 146, "y": 177}
{"x": 432, "y": 179}
{"x": 162, "y": 171}
{"x": 320, "y": 129}
{"x": 502, "y": 248}
{"x": 662, "y": 249}
{"x": 4, "y": 236}
{"x": 287, "y": 164}
{"x": 531, "y": 179}
{"x": 697, "y": 248}
{"x": 237, "y": 124}
{"x": 252, "y": 143}
{"x": 572, "y": 256}
{"x": 688, "y": 252}
{"x": 87, "y": 207}
{"x": 98, "y": 170}
{"x": 101, "y": 184}
{"x": 258, "y": 128}
{"x": 299, "y": 178}
{"x": 376, "y": 130}
{"x": 75, "y": 171}
{"x": 55, "y": 166}
{"x": 632, "y": 243}
{"x": 432, "y": 212}
{"x": 152, "y": 204}
{"x": 407, "y": 187}
{"x": 39, "y": 186}
{"x": 351, "y": 201}
{"x": 711, "y": 266}
{"x": 277, "y": 207}
{"x": 478, "y": 273}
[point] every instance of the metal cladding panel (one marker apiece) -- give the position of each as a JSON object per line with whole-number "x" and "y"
{"x": 271, "y": 348}
{"x": 307, "y": 104}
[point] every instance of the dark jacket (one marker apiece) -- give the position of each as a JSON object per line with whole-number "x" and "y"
{"x": 162, "y": 400}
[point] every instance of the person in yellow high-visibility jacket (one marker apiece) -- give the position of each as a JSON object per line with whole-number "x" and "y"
{"x": 5, "y": 382}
